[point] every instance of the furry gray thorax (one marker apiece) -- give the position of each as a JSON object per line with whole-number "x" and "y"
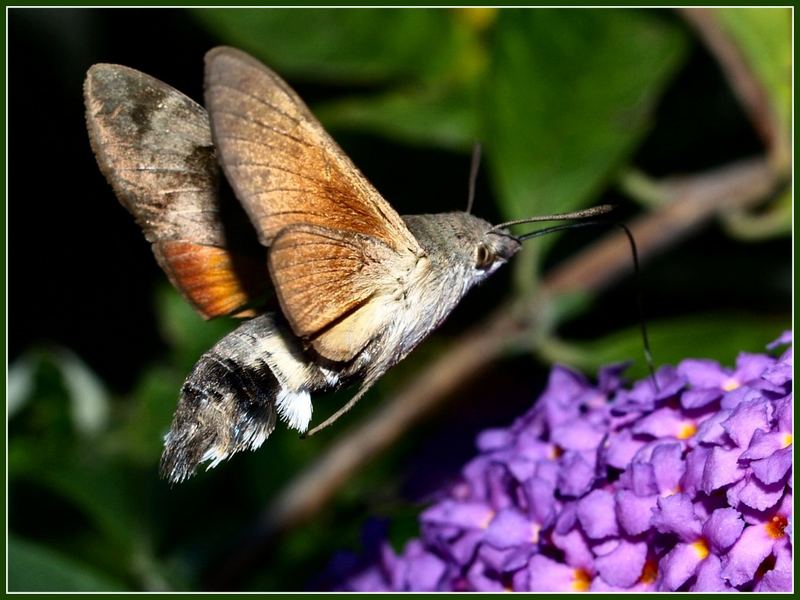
{"x": 451, "y": 242}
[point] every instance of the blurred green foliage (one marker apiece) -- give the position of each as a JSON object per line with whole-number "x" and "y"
{"x": 346, "y": 46}
{"x": 554, "y": 143}
{"x": 35, "y": 568}
{"x": 764, "y": 39}
{"x": 561, "y": 99}
{"x": 710, "y": 335}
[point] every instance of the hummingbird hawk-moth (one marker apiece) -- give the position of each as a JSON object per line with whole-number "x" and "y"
{"x": 357, "y": 285}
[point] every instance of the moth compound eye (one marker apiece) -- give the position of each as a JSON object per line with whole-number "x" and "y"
{"x": 483, "y": 257}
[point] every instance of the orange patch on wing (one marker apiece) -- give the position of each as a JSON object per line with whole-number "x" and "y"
{"x": 215, "y": 281}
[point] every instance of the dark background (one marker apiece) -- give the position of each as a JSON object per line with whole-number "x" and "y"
{"x": 81, "y": 277}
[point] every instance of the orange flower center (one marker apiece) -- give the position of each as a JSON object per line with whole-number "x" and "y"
{"x": 649, "y": 571}
{"x": 776, "y": 526}
{"x": 701, "y": 549}
{"x": 730, "y": 385}
{"x": 687, "y": 430}
{"x": 582, "y": 580}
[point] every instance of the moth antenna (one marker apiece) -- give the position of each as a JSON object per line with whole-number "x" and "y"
{"x": 473, "y": 174}
{"x": 586, "y": 213}
{"x": 637, "y": 274}
{"x": 648, "y": 354}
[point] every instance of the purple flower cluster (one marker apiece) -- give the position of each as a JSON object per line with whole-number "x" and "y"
{"x": 602, "y": 488}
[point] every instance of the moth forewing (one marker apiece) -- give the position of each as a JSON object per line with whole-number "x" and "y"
{"x": 284, "y": 167}
{"x": 153, "y": 144}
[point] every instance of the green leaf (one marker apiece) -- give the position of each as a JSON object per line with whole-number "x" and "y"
{"x": 570, "y": 94}
{"x": 773, "y": 221}
{"x": 355, "y": 45}
{"x": 35, "y": 568}
{"x": 764, "y": 36}
{"x": 715, "y": 336}
{"x": 20, "y": 383}
{"x": 89, "y": 400}
{"x": 443, "y": 116}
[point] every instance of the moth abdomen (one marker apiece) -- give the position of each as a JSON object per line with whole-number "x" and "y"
{"x": 234, "y": 394}
{"x": 222, "y": 409}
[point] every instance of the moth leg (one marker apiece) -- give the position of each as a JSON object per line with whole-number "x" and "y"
{"x": 344, "y": 409}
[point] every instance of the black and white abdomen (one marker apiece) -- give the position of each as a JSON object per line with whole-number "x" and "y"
{"x": 236, "y": 392}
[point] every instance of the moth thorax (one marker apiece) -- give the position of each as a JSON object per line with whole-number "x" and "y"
{"x": 449, "y": 239}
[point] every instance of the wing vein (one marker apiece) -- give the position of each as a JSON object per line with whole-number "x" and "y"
{"x": 181, "y": 190}
{"x": 276, "y": 167}
{"x": 148, "y": 169}
{"x": 282, "y": 189}
{"x": 258, "y": 99}
{"x": 329, "y": 283}
{"x": 294, "y": 265}
{"x": 155, "y": 148}
{"x": 263, "y": 125}
{"x": 331, "y": 240}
